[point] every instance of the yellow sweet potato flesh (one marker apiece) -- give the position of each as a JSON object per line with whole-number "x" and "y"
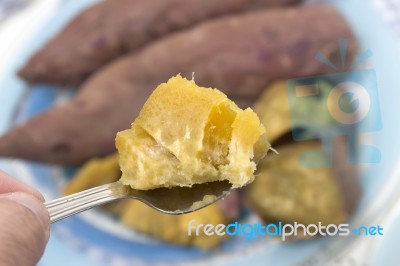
{"x": 173, "y": 228}
{"x": 185, "y": 135}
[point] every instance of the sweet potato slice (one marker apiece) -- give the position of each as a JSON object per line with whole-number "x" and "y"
{"x": 186, "y": 135}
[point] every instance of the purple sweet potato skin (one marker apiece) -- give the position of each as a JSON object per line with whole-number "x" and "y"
{"x": 114, "y": 27}
{"x": 239, "y": 55}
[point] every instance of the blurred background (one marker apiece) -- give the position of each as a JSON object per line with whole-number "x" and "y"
{"x": 321, "y": 75}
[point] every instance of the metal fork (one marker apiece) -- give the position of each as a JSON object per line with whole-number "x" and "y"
{"x": 177, "y": 200}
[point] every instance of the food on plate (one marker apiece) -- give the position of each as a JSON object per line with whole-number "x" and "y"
{"x": 112, "y": 28}
{"x": 283, "y": 190}
{"x": 289, "y": 113}
{"x": 174, "y": 228}
{"x": 274, "y": 101}
{"x": 240, "y": 55}
{"x": 289, "y": 189}
{"x": 140, "y": 217}
{"x": 186, "y": 135}
{"x": 98, "y": 171}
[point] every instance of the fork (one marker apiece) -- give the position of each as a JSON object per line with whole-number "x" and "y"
{"x": 176, "y": 200}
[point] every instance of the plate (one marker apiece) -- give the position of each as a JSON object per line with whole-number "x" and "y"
{"x": 94, "y": 238}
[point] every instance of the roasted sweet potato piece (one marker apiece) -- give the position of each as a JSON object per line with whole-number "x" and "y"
{"x": 288, "y": 191}
{"x": 185, "y": 135}
{"x": 114, "y": 27}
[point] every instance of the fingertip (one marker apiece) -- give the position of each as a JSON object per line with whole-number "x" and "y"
{"x": 33, "y": 204}
{"x": 24, "y": 229}
{"x": 9, "y": 184}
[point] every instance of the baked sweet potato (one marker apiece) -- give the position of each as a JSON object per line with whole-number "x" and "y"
{"x": 239, "y": 54}
{"x": 287, "y": 191}
{"x": 294, "y": 186}
{"x": 114, "y": 27}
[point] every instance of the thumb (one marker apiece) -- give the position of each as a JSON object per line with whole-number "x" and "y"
{"x": 24, "y": 229}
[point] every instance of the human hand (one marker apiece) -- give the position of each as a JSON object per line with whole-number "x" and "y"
{"x": 24, "y": 223}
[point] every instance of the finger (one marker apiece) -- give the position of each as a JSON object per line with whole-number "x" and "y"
{"x": 24, "y": 229}
{"x": 9, "y": 184}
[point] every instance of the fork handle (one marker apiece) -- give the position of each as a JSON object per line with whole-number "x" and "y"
{"x": 81, "y": 201}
